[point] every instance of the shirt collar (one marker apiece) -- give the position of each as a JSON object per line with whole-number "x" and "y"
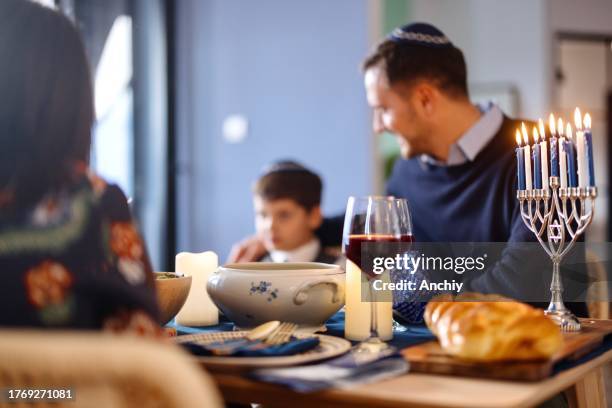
{"x": 472, "y": 142}
{"x": 305, "y": 253}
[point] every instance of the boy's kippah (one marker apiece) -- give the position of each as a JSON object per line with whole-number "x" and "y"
{"x": 421, "y": 34}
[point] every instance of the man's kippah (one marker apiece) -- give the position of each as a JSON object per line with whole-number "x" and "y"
{"x": 421, "y": 34}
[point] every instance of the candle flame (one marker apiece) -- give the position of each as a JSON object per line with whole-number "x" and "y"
{"x": 568, "y": 130}
{"x": 578, "y": 119}
{"x": 587, "y": 121}
{"x": 560, "y": 127}
{"x": 525, "y": 135}
{"x": 535, "y": 135}
{"x": 518, "y": 137}
{"x": 551, "y": 124}
{"x": 541, "y": 128}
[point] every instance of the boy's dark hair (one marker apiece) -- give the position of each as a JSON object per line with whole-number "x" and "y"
{"x": 289, "y": 179}
{"x": 409, "y": 63}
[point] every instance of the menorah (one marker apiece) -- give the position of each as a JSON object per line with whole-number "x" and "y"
{"x": 557, "y": 219}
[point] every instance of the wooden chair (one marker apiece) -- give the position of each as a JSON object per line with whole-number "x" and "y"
{"x": 104, "y": 370}
{"x": 597, "y": 295}
{"x": 592, "y": 390}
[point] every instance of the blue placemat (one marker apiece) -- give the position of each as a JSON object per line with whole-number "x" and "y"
{"x": 413, "y": 335}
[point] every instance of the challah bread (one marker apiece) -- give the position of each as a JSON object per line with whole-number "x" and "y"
{"x": 491, "y": 328}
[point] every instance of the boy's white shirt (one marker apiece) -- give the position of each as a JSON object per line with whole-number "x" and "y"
{"x": 305, "y": 253}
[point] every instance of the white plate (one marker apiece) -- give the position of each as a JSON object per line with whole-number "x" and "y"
{"x": 329, "y": 346}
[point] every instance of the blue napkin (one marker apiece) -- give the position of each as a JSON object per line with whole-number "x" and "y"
{"x": 257, "y": 348}
{"x": 345, "y": 371}
{"x": 413, "y": 334}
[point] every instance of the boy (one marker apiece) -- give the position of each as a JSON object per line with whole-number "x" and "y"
{"x": 287, "y": 199}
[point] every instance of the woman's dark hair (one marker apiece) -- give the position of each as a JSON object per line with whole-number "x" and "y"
{"x": 46, "y": 100}
{"x": 408, "y": 63}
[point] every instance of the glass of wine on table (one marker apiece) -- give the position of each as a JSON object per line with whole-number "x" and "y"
{"x": 372, "y": 230}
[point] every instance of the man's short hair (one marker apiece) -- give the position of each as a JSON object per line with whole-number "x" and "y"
{"x": 289, "y": 179}
{"x": 409, "y": 63}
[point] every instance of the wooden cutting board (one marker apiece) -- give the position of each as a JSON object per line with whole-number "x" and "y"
{"x": 430, "y": 358}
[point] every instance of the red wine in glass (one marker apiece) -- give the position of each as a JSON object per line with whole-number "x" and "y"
{"x": 377, "y": 245}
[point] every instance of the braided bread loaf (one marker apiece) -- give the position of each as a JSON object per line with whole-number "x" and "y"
{"x": 491, "y": 328}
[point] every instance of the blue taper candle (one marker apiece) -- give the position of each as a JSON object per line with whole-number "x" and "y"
{"x": 588, "y": 137}
{"x": 520, "y": 162}
{"x": 554, "y": 149}
{"x": 537, "y": 162}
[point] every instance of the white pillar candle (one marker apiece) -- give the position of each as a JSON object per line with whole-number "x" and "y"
{"x": 198, "y": 310}
{"x": 384, "y": 309}
{"x": 357, "y": 324}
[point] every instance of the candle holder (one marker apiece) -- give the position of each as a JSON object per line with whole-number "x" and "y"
{"x": 557, "y": 219}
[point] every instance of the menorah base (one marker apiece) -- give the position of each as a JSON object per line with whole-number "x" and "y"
{"x": 558, "y": 216}
{"x": 565, "y": 319}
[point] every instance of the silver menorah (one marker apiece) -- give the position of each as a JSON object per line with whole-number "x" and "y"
{"x": 557, "y": 220}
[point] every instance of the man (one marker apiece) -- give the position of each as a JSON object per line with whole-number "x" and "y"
{"x": 458, "y": 169}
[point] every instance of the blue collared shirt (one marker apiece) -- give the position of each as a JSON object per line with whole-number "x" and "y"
{"x": 474, "y": 140}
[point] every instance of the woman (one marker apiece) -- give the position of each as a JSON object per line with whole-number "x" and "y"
{"x": 70, "y": 255}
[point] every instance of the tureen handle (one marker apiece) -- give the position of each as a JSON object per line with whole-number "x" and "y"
{"x": 301, "y": 295}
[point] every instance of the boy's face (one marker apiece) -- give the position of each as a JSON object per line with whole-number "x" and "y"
{"x": 283, "y": 224}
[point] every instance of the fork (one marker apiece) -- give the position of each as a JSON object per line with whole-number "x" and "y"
{"x": 281, "y": 335}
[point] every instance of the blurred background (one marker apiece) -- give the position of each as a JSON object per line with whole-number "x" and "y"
{"x": 195, "y": 97}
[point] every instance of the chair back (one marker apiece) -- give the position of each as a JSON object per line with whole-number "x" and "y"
{"x": 104, "y": 370}
{"x": 597, "y": 293}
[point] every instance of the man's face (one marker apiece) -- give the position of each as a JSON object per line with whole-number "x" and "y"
{"x": 283, "y": 224}
{"x": 395, "y": 110}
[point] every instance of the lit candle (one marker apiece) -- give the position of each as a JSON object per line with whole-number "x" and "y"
{"x": 544, "y": 153}
{"x": 198, "y": 310}
{"x": 571, "y": 157}
{"x": 537, "y": 161}
{"x": 554, "y": 152}
{"x": 580, "y": 150}
{"x": 520, "y": 162}
{"x": 562, "y": 157}
{"x": 357, "y": 325}
{"x": 527, "y": 154}
{"x": 588, "y": 137}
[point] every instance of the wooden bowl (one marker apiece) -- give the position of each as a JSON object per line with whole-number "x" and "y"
{"x": 171, "y": 295}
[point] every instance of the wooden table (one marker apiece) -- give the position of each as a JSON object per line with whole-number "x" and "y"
{"x": 583, "y": 385}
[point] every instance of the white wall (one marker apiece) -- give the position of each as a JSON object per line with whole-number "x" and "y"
{"x": 504, "y": 42}
{"x": 292, "y": 69}
{"x": 513, "y": 41}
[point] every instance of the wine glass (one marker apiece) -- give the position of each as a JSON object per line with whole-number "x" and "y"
{"x": 406, "y": 237}
{"x": 374, "y": 221}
